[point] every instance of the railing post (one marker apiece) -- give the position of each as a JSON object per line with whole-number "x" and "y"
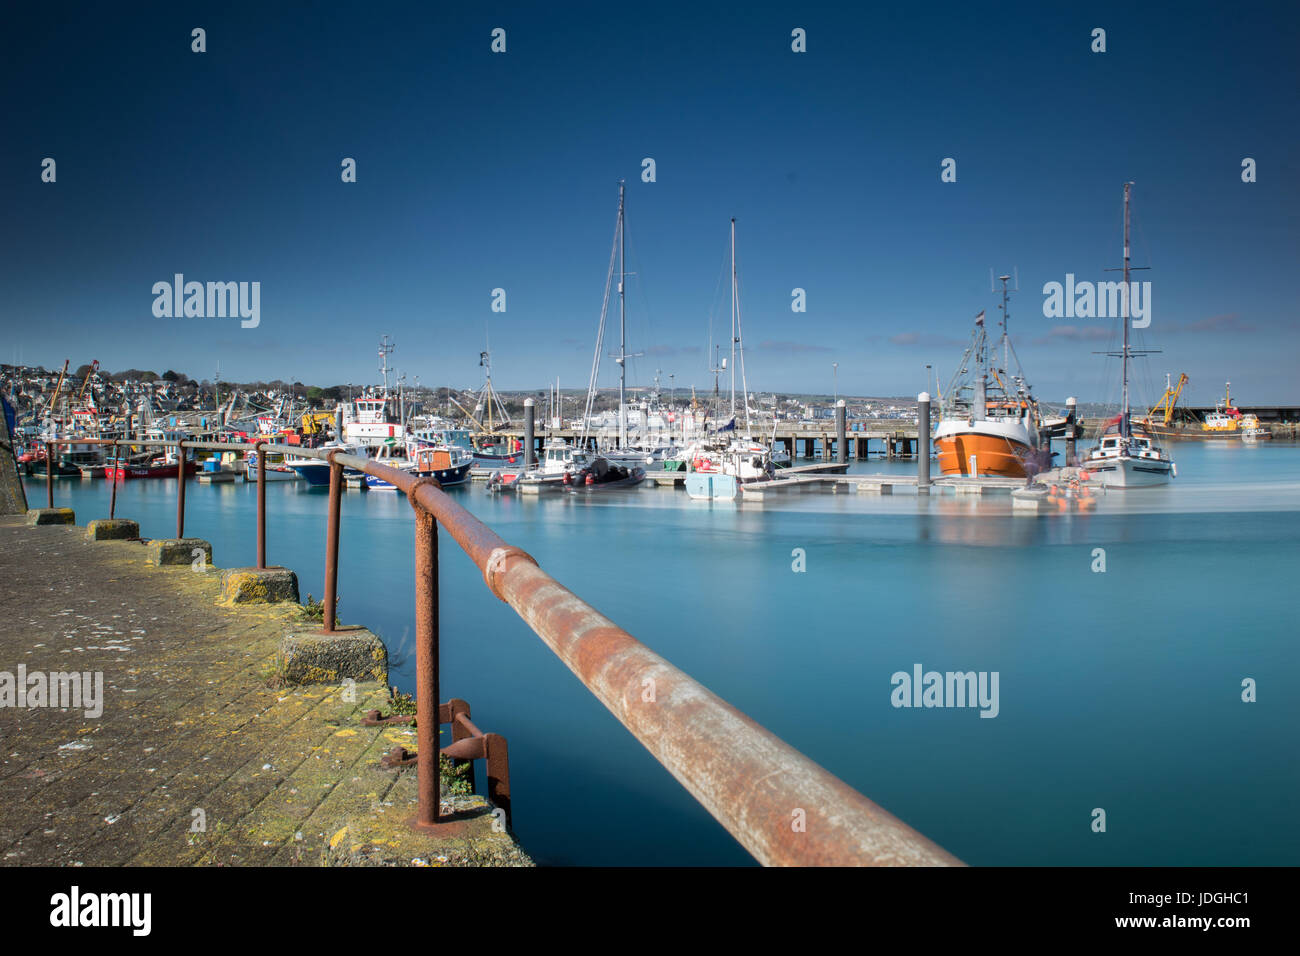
{"x": 259, "y": 451}
{"x": 180, "y": 489}
{"x": 112, "y": 494}
{"x": 426, "y": 662}
{"x": 49, "y": 474}
{"x": 332, "y": 542}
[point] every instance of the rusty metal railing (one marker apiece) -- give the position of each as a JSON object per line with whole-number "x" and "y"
{"x": 781, "y": 806}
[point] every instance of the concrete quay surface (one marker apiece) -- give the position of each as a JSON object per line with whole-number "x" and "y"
{"x": 196, "y": 756}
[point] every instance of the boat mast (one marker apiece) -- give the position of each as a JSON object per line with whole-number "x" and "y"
{"x": 733, "y": 317}
{"x": 385, "y": 350}
{"x": 1006, "y": 335}
{"x": 1128, "y": 290}
{"x": 622, "y": 327}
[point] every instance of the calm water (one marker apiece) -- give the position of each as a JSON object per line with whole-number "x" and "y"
{"x": 1118, "y": 690}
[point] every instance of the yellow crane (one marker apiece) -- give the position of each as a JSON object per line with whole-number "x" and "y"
{"x": 94, "y": 367}
{"x": 55, "y": 396}
{"x": 1168, "y": 399}
{"x": 314, "y": 422}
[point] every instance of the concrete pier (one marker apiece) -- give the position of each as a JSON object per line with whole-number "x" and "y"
{"x": 195, "y": 750}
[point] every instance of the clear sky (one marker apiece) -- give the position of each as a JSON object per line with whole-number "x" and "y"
{"x": 478, "y": 170}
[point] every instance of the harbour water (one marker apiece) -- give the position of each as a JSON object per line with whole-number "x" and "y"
{"x": 1119, "y": 690}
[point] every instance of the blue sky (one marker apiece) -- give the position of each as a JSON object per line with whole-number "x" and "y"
{"x": 479, "y": 170}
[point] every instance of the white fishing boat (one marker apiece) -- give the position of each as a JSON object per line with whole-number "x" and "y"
{"x": 371, "y": 420}
{"x": 1253, "y": 430}
{"x": 1127, "y": 454}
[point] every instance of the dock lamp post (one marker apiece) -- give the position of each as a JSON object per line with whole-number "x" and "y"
{"x": 835, "y": 376}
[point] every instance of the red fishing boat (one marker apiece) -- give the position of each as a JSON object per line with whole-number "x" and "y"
{"x": 163, "y": 466}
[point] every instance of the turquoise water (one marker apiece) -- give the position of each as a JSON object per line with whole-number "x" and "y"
{"x": 1119, "y": 690}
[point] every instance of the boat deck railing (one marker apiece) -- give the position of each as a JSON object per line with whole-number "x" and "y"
{"x": 781, "y": 806}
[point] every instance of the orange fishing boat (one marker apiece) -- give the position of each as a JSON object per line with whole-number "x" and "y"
{"x": 990, "y": 423}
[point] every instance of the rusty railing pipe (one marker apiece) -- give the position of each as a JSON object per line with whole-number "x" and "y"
{"x": 780, "y": 805}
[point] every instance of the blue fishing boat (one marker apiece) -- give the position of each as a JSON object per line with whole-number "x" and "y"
{"x": 315, "y": 471}
{"x": 446, "y": 464}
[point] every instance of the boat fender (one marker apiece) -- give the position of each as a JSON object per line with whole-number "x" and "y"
{"x": 591, "y": 479}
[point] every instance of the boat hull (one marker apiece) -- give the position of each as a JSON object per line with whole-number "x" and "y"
{"x": 1130, "y": 472}
{"x": 124, "y": 472}
{"x": 635, "y": 478}
{"x": 997, "y": 455}
{"x": 276, "y": 473}
{"x": 444, "y": 476}
{"x": 709, "y": 485}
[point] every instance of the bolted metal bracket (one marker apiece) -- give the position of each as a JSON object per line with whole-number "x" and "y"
{"x": 372, "y": 719}
{"x": 496, "y": 564}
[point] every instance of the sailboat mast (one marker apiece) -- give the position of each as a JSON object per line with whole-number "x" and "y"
{"x": 1006, "y": 332}
{"x": 733, "y": 316}
{"x": 622, "y": 328}
{"x": 1124, "y": 424}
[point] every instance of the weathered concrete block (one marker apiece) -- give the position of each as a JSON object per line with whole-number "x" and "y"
{"x": 259, "y": 585}
{"x": 113, "y": 529}
{"x": 51, "y": 516}
{"x": 350, "y": 652}
{"x": 172, "y": 551}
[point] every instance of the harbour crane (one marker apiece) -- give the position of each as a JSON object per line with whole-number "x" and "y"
{"x": 1169, "y": 399}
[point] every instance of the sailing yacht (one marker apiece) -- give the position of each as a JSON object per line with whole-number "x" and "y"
{"x": 624, "y": 451}
{"x": 1126, "y": 454}
{"x": 719, "y": 463}
{"x": 990, "y": 423}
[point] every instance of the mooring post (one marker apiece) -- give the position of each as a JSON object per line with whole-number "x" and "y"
{"x": 923, "y": 443}
{"x": 332, "y": 542}
{"x": 49, "y": 474}
{"x": 841, "y": 437}
{"x": 426, "y": 666}
{"x": 1071, "y": 412}
{"x": 180, "y": 489}
{"x": 530, "y": 424}
{"x": 259, "y": 449}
